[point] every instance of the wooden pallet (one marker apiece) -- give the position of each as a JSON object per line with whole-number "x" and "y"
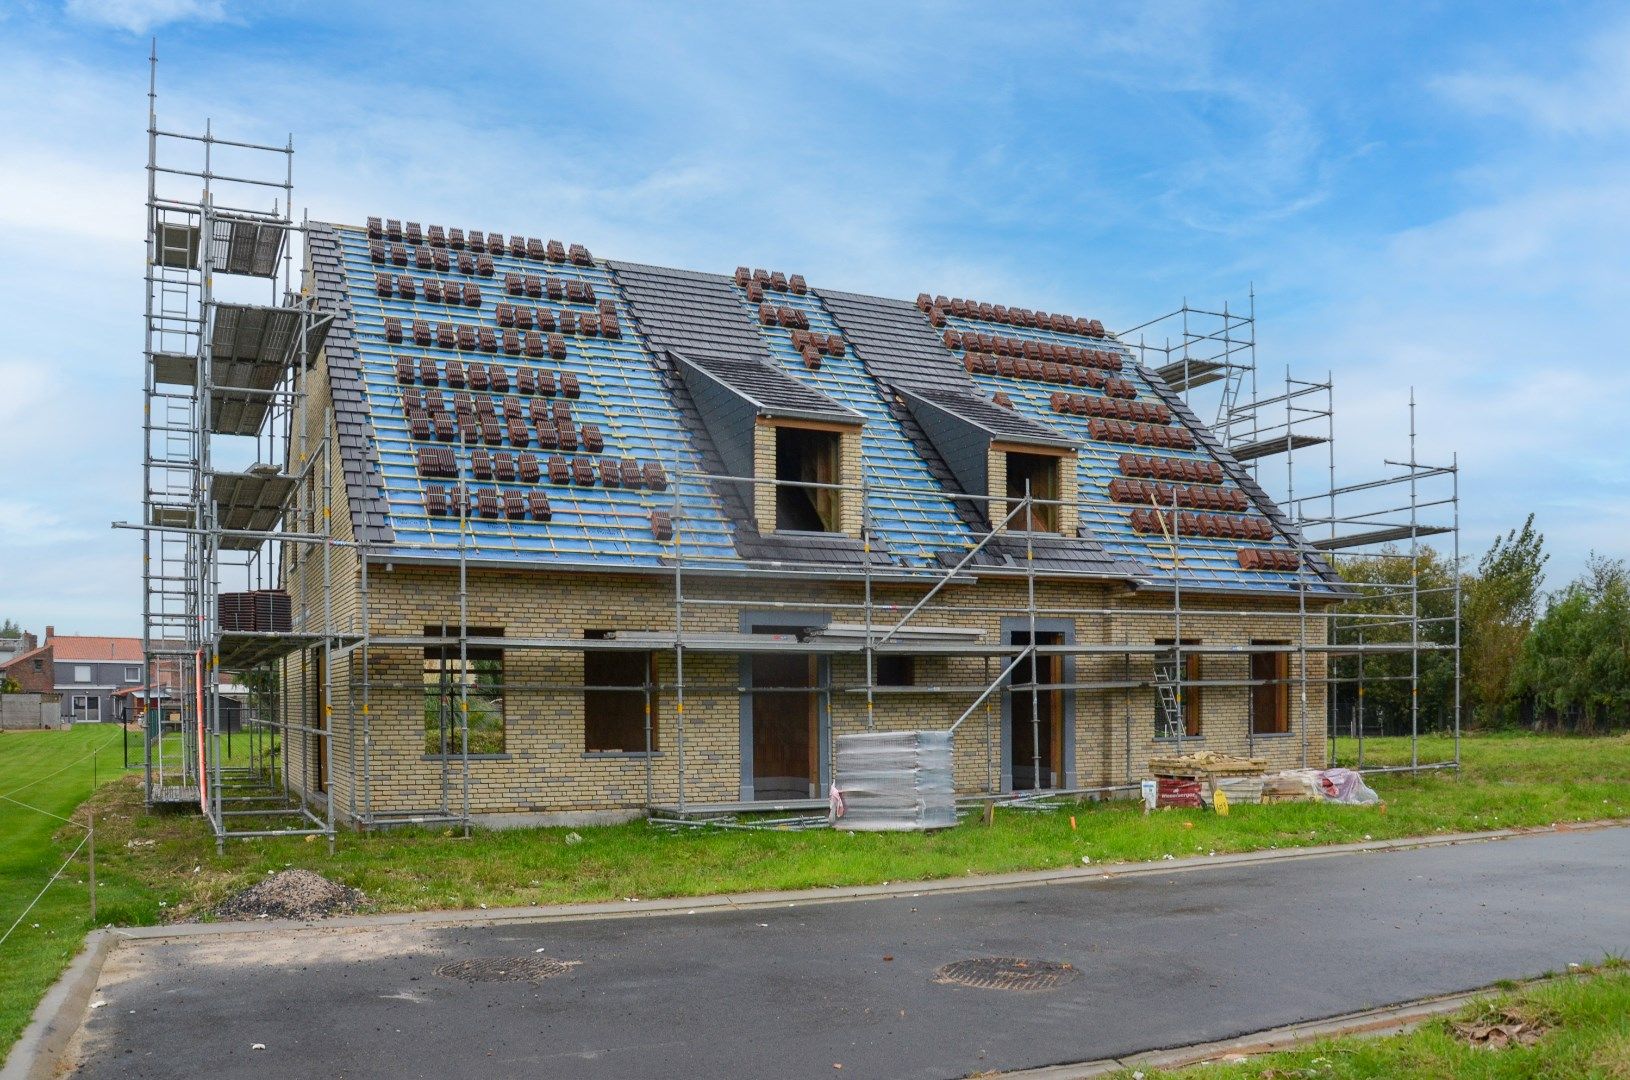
{"x": 1194, "y": 768}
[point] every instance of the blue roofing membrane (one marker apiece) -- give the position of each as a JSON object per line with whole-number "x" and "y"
{"x": 913, "y": 526}
{"x": 628, "y": 391}
{"x": 622, "y": 392}
{"x": 1205, "y": 560}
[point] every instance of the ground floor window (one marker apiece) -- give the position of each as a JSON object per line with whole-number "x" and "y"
{"x": 616, "y": 696}
{"x": 895, "y": 670}
{"x": 449, "y": 681}
{"x": 1270, "y": 691}
{"x": 1167, "y": 708}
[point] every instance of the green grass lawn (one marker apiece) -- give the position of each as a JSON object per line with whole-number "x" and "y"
{"x": 51, "y": 771}
{"x": 155, "y": 867}
{"x": 1583, "y": 1030}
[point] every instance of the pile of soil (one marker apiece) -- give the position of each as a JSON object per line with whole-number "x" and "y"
{"x": 290, "y": 894}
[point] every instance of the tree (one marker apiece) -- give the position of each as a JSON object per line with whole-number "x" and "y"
{"x": 1575, "y": 665}
{"x": 1500, "y": 604}
{"x": 9, "y": 629}
{"x": 1380, "y": 614}
{"x": 9, "y": 685}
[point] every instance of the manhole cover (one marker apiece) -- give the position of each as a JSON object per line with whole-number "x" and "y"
{"x": 1007, "y": 973}
{"x": 506, "y": 969}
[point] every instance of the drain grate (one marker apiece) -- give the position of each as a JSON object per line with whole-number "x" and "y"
{"x": 506, "y": 969}
{"x": 1007, "y": 973}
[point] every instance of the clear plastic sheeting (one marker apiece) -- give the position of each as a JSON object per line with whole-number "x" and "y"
{"x": 1346, "y": 786}
{"x": 894, "y": 781}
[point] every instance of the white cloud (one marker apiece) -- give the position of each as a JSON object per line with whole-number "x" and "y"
{"x": 142, "y": 16}
{"x": 1591, "y": 98}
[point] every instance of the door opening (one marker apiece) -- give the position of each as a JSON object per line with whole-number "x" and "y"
{"x": 1036, "y": 715}
{"x": 319, "y": 721}
{"x": 785, "y": 705}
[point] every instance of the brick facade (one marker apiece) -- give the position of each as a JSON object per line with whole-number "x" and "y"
{"x": 545, "y": 770}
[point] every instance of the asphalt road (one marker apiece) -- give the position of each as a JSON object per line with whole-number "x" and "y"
{"x": 1164, "y": 960}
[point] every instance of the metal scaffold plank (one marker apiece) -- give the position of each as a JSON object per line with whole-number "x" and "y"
{"x": 249, "y": 502}
{"x": 1277, "y": 445}
{"x": 246, "y": 246}
{"x": 1379, "y": 536}
{"x": 1188, "y": 374}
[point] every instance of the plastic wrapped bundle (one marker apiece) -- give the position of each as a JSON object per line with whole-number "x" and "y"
{"x": 894, "y": 781}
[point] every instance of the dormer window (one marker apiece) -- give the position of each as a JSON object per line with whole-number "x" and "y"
{"x": 797, "y": 448}
{"x": 1038, "y": 476}
{"x": 807, "y": 456}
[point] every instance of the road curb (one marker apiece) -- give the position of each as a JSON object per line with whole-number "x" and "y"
{"x": 697, "y": 905}
{"x": 1385, "y": 1020}
{"x": 36, "y": 1054}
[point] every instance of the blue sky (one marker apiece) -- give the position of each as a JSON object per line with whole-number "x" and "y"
{"x": 1423, "y": 195}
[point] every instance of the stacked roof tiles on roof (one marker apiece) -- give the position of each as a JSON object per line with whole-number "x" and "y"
{"x": 562, "y": 391}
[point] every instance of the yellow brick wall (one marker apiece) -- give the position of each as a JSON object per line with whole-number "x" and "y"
{"x": 324, "y": 593}
{"x": 545, "y": 767}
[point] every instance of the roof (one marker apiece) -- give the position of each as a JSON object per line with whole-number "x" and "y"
{"x": 18, "y": 658}
{"x": 106, "y": 650}
{"x": 770, "y": 391}
{"x": 981, "y": 412}
{"x": 643, "y": 384}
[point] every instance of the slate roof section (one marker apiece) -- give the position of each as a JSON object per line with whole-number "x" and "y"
{"x": 770, "y": 390}
{"x": 359, "y": 457}
{"x": 895, "y": 339}
{"x": 1002, "y": 425}
{"x": 679, "y": 312}
{"x": 689, "y": 312}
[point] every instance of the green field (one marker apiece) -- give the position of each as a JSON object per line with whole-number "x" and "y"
{"x": 1580, "y": 1027}
{"x": 154, "y": 867}
{"x": 52, "y": 772}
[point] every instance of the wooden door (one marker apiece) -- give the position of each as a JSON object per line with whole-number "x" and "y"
{"x": 1270, "y": 700}
{"x": 1030, "y": 742}
{"x": 786, "y": 718}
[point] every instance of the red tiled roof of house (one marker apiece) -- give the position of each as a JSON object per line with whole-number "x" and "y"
{"x": 20, "y": 657}
{"x": 104, "y": 649}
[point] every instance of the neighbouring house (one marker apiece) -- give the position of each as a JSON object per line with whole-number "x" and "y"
{"x": 639, "y": 483}
{"x": 12, "y": 645}
{"x": 89, "y": 673}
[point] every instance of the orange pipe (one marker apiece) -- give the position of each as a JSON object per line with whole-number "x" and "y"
{"x": 203, "y": 769}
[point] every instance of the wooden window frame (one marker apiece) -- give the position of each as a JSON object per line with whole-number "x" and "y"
{"x": 1276, "y": 694}
{"x": 596, "y": 738}
{"x": 1043, "y": 517}
{"x": 1193, "y": 698}
{"x": 819, "y": 450}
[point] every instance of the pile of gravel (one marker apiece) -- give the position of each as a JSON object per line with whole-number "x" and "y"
{"x": 290, "y": 894}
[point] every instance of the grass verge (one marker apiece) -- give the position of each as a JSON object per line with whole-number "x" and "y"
{"x": 45, "y": 776}
{"x": 1572, "y": 1027}
{"x": 154, "y": 868}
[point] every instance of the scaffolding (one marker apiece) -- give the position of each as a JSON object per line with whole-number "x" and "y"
{"x": 240, "y": 493}
{"x": 227, "y": 447}
{"x": 1363, "y": 526}
{"x": 1150, "y": 670}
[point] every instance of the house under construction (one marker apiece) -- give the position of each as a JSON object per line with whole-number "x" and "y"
{"x": 500, "y": 530}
